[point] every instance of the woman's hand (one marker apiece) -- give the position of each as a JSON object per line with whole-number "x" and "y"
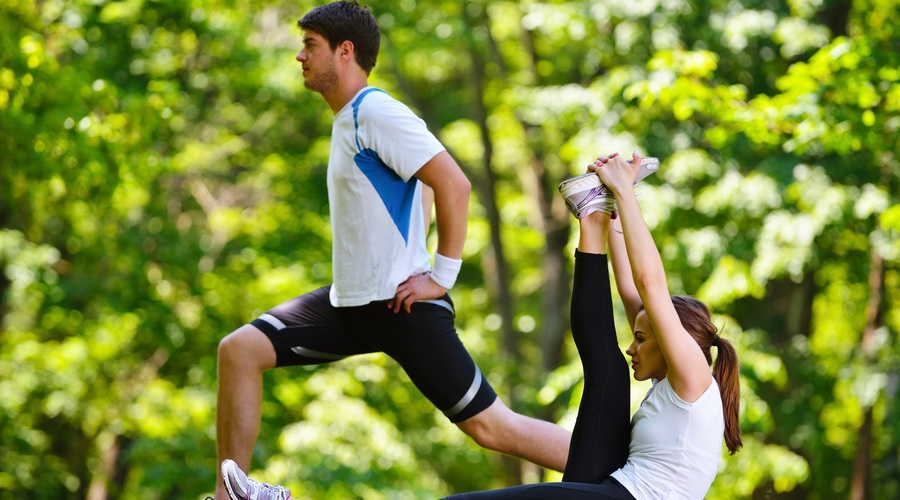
{"x": 616, "y": 173}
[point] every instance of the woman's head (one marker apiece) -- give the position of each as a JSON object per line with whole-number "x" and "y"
{"x": 648, "y": 361}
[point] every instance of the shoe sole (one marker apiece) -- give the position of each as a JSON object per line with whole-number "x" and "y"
{"x": 591, "y": 179}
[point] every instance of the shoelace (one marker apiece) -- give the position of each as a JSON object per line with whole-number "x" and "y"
{"x": 264, "y": 491}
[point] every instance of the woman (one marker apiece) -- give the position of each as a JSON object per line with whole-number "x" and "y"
{"x": 676, "y": 434}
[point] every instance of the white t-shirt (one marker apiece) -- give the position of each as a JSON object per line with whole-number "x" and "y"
{"x": 378, "y": 228}
{"x": 675, "y": 446}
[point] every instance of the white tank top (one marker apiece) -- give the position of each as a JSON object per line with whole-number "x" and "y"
{"x": 675, "y": 446}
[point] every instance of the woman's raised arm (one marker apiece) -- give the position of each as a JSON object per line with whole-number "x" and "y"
{"x": 687, "y": 369}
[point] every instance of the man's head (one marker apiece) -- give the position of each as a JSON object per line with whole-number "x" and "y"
{"x": 346, "y": 21}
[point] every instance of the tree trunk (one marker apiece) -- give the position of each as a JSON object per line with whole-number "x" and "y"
{"x": 496, "y": 268}
{"x": 552, "y": 218}
{"x": 862, "y": 463}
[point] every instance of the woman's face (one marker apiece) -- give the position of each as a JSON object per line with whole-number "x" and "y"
{"x": 647, "y": 359}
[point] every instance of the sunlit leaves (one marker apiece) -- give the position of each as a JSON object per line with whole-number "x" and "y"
{"x": 123, "y": 12}
{"x": 750, "y": 196}
{"x": 730, "y": 280}
{"x": 756, "y": 463}
{"x": 745, "y": 24}
{"x": 163, "y": 410}
{"x": 797, "y": 36}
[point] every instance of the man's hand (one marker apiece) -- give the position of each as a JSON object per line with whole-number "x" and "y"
{"x": 416, "y": 288}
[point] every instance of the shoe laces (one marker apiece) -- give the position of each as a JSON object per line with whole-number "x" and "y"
{"x": 265, "y": 491}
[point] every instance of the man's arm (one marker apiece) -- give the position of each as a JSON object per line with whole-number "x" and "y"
{"x": 427, "y": 205}
{"x": 451, "y": 201}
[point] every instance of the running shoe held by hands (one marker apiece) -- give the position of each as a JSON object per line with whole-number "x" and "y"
{"x": 585, "y": 193}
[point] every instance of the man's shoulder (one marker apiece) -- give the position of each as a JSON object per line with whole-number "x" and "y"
{"x": 380, "y": 110}
{"x": 372, "y": 96}
{"x": 374, "y": 99}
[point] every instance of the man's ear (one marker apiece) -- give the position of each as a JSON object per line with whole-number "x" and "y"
{"x": 346, "y": 49}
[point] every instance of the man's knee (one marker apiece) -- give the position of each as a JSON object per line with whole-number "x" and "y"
{"x": 247, "y": 346}
{"x": 492, "y": 428}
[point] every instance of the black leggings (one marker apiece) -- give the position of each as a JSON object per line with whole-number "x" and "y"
{"x": 603, "y": 429}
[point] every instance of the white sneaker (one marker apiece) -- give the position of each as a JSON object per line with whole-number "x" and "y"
{"x": 241, "y": 487}
{"x": 585, "y": 193}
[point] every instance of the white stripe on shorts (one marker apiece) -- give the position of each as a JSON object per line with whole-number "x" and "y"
{"x": 272, "y": 320}
{"x": 468, "y": 397}
{"x": 441, "y": 302}
{"x": 317, "y": 354}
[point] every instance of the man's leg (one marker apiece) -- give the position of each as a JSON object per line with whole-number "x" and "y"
{"x": 500, "y": 429}
{"x": 426, "y": 345}
{"x": 306, "y": 330}
{"x": 243, "y": 357}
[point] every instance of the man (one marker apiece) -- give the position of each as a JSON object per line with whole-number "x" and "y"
{"x": 385, "y": 296}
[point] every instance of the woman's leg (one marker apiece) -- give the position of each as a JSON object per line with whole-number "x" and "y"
{"x": 608, "y": 490}
{"x": 603, "y": 428}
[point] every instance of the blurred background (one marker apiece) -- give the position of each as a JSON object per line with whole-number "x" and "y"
{"x": 162, "y": 182}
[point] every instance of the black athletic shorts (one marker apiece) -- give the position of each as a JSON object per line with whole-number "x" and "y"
{"x": 308, "y": 330}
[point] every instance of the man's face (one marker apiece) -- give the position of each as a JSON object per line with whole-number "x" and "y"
{"x": 318, "y": 61}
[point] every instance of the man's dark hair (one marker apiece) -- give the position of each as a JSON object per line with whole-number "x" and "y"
{"x": 346, "y": 20}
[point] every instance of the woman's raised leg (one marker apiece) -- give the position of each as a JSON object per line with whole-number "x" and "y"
{"x": 603, "y": 429}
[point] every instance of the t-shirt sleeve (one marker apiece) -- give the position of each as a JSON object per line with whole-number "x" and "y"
{"x": 399, "y": 137}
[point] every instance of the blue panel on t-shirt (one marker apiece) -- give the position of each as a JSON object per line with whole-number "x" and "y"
{"x": 396, "y": 194}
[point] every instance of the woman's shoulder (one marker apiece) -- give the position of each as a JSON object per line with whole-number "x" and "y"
{"x": 711, "y": 393}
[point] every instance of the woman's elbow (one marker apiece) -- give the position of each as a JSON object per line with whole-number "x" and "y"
{"x": 648, "y": 280}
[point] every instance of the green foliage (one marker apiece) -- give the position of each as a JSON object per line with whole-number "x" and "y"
{"x": 162, "y": 181}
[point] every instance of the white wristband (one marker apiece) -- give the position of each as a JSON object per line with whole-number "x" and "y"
{"x": 445, "y": 270}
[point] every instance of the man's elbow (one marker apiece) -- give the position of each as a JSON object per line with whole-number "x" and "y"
{"x": 465, "y": 187}
{"x": 461, "y": 188}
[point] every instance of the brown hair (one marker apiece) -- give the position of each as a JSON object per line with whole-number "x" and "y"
{"x": 696, "y": 319}
{"x": 346, "y": 20}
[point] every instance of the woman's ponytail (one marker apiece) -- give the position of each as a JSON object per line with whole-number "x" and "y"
{"x": 725, "y": 372}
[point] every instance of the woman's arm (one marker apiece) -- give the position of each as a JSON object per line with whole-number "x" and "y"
{"x": 623, "y": 275}
{"x": 688, "y": 372}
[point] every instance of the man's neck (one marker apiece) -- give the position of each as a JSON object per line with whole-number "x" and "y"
{"x": 338, "y": 97}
